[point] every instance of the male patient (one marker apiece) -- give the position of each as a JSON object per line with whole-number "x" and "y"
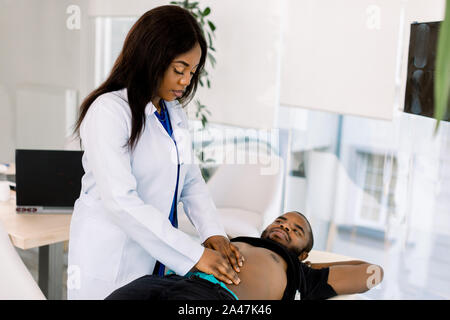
{"x": 274, "y": 268}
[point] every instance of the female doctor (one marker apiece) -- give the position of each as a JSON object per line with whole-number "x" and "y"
{"x": 137, "y": 163}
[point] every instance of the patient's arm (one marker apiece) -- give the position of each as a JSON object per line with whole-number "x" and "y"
{"x": 337, "y": 263}
{"x": 348, "y": 277}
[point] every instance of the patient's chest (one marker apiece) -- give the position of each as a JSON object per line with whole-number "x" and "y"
{"x": 263, "y": 274}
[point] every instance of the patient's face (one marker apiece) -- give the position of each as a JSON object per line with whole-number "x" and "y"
{"x": 290, "y": 230}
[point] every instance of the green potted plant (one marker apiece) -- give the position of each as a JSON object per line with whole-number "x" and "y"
{"x": 442, "y": 73}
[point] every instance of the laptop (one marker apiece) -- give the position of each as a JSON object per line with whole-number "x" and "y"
{"x": 47, "y": 181}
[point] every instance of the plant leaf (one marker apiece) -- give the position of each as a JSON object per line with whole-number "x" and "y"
{"x": 211, "y": 26}
{"x": 206, "y": 11}
{"x": 192, "y": 5}
{"x": 204, "y": 120}
{"x": 212, "y": 59}
{"x": 442, "y": 71}
{"x": 210, "y": 40}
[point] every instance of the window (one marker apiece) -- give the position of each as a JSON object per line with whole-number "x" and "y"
{"x": 110, "y": 34}
{"x": 377, "y": 189}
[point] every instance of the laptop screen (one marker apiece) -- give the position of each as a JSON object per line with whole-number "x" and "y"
{"x": 48, "y": 178}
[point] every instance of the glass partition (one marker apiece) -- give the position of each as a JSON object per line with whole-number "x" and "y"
{"x": 378, "y": 192}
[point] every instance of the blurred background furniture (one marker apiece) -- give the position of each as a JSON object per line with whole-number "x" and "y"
{"x": 16, "y": 282}
{"x": 247, "y": 196}
{"x": 45, "y": 231}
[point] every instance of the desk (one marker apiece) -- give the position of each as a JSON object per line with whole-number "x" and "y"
{"x": 45, "y": 231}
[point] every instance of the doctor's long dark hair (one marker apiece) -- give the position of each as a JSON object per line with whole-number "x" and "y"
{"x": 159, "y": 35}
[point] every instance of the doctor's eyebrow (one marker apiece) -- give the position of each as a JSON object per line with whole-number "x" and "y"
{"x": 184, "y": 63}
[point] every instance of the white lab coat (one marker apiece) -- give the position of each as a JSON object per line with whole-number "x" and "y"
{"x": 120, "y": 223}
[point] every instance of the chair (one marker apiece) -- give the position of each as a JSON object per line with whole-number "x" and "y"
{"x": 16, "y": 282}
{"x": 247, "y": 196}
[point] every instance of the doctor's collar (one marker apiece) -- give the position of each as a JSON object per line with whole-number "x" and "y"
{"x": 151, "y": 109}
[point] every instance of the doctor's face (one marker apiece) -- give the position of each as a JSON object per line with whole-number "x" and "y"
{"x": 178, "y": 76}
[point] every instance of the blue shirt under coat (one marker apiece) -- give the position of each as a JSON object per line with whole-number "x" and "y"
{"x": 165, "y": 121}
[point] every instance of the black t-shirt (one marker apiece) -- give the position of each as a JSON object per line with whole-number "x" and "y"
{"x": 311, "y": 283}
{"x": 314, "y": 284}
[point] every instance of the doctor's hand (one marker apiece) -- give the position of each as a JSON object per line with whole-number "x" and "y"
{"x": 224, "y": 246}
{"x": 219, "y": 259}
{"x": 215, "y": 263}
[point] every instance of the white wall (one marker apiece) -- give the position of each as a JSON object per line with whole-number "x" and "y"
{"x": 44, "y": 116}
{"x": 121, "y": 8}
{"x": 250, "y": 81}
{"x": 245, "y": 82}
{"x": 349, "y": 56}
{"x": 38, "y": 49}
{"x": 6, "y": 126}
{"x": 342, "y": 58}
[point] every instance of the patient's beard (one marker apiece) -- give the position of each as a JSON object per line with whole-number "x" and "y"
{"x": 296, "y": 251}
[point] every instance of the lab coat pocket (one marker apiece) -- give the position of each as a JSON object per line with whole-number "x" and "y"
{"x": 98, "y": 246}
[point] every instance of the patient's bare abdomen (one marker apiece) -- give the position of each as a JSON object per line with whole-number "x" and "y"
{"x": 263, "y": 275}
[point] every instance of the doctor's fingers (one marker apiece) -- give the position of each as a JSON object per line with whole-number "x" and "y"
{"x": 216, "y": 263}
{"x": 226, "y": 274}
{"x": 229, "y": 253}
{"x": 233, "y": 256}
{"x": 223, "y": 245}
{"x": 236, "y": 258}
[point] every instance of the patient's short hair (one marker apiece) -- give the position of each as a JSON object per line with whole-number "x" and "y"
{"x": 310, "y": 244}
